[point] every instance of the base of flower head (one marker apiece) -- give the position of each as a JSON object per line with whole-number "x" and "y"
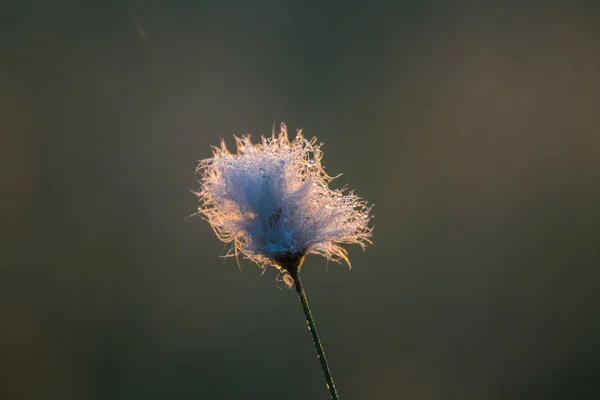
{"x": 289, "y": 264}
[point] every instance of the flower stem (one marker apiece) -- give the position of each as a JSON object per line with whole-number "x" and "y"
{"x": 315, "y": 336}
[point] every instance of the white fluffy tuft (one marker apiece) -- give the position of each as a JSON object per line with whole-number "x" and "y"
{"x": 273, "y": 199}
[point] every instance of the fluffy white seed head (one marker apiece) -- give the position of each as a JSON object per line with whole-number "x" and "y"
{"x": 272, "y": 201}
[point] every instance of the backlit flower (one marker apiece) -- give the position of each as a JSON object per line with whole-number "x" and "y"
{"x": 273, "y": 202}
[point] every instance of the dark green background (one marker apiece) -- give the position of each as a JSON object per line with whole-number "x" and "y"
{"x": 474, "y": 129}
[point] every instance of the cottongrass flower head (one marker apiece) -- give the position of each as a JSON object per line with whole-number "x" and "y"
{"x": 273, "y": 202}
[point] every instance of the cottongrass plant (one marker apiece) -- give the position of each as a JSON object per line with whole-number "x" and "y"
{"x": 272, "y": 201}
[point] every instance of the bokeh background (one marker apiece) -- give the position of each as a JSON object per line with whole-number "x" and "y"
{"x": 474, "y": 128}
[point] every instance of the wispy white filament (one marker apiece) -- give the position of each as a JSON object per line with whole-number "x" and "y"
{"x": 273, "y": 199}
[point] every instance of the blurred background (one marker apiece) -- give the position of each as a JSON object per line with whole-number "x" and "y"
{"x": 474, "y": 128}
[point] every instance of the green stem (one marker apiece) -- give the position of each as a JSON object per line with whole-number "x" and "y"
{"x": 315, "y": 336}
